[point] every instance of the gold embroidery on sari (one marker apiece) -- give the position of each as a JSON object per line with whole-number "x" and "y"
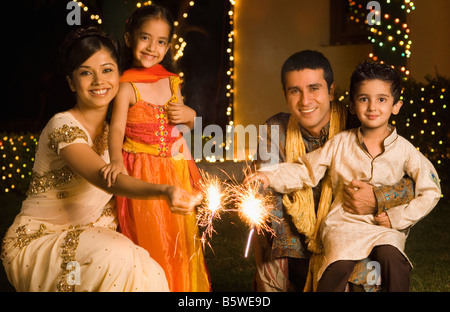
{"x": 65, "y": 134}
{"x": 24, "y": 237}
{"x": 69, "y": 249}
{"x": 101, "y": 141}
{"x": 49, "y": 180}
{"x": 41, "y": 183}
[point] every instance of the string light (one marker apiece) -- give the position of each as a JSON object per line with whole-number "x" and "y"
{"x": 230, "y": 72}
{"x": 390, "y": 35}
{"x": 179, "y": 42}
{"x": 423, "y": 120}
{"x": 86, "y": 9}
{"x": 16, "y": 161}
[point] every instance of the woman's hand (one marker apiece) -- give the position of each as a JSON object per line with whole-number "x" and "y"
{"x": 112, "y": 170}
{"x": 180, "y": 201}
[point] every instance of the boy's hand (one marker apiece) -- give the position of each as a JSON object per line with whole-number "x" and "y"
{"x": 112, "y": 170}
{"x": 382, "y": 219}
{"x": 178, "y": 113}
{"x": 257, "y": 177}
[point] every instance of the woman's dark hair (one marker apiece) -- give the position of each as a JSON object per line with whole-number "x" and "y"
{"x": 307, "y": 59}
{"x": 368, "y": 70}
{"x": 81, "y": 43}
{"x": 135, "y": 21}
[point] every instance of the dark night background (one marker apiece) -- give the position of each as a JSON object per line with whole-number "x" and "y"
{"x": 34, "y": 88}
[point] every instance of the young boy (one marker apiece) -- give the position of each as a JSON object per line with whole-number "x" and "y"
{"x": 373, "y": 153}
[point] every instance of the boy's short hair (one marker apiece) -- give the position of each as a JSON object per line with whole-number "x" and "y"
{"x": 368, "y": 70}
{"x": 307, "y": 59}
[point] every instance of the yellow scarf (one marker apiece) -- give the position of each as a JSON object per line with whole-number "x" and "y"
{"x": 300, "y": 204}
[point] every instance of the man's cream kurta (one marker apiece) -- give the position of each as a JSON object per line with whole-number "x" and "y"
{"x": 347, "y": 236}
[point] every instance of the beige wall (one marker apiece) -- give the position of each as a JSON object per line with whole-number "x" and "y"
{"x": 430, "y": 35}
{"x": 267, "y": 32}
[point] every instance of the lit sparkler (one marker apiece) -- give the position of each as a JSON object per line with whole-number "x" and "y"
{"x": 254, "y": 208}
{"x": 215, "y": 197}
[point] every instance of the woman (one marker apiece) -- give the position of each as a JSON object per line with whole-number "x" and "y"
{"x": 64, "y": 237}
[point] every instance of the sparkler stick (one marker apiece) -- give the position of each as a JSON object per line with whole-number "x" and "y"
{"x": 249, "y": 240}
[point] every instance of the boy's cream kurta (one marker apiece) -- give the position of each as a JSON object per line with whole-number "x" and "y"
{"x": 347, "y": 236}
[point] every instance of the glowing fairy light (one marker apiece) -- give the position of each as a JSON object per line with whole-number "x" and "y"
{"x": 16, "y": 160}
{"x": 230, "y": 71}
{"x": 390, "y": 37}
{"x": 93, "y": 17}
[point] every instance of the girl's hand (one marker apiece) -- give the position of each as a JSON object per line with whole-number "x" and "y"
{"x": 382, "y": 219}
{"x": 178, "y": 113}
{"x": 180, "y": 201}
{"x": 112, "y": 170}
{"x": 257, "y": 177}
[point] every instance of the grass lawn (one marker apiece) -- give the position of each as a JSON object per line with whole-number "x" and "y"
{"x": 427, "y": 247}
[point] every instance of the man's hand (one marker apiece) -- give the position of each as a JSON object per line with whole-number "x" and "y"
{"x": 257, "y": 177}
{"x": 359, "y": 198}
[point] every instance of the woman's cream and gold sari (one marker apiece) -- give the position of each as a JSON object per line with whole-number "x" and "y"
{"x": 64, "y": 237}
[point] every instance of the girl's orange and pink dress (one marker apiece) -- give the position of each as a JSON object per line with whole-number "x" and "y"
{"x": 171, "y": 239}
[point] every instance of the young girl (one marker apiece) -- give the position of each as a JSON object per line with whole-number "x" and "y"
{"x": 376, "y": 154}
{"x": 146, "y": 110}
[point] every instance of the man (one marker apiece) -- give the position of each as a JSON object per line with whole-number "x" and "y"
{"x": 283, "y": 259}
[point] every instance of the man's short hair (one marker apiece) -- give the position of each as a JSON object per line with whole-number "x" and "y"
{"x": 307, "y": 59}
